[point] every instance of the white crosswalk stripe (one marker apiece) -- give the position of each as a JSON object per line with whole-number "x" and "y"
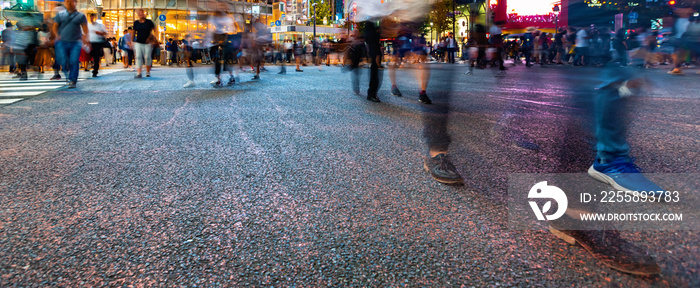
{"x": 14, "y": 90}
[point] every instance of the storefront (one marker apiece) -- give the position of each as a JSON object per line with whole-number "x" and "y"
{"x": 174, "y": 18}
{"x": 306, "y": 33}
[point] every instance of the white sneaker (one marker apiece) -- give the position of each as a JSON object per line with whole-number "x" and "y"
{"x": 189, "y": 84}
{"x": 215, "y": 81}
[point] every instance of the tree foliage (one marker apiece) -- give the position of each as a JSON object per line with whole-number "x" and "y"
{"x": 323, "y": 10}
{"x": 441, "y": 17}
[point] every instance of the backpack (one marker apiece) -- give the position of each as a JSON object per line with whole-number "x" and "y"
{"x": 122, "y": 43}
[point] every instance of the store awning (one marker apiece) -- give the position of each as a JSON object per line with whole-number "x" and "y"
{"x": 16, "y": 15}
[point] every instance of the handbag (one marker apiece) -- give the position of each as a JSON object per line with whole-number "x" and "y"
{"x": 152, "y": 40}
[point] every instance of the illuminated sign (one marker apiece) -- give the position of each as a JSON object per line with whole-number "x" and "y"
{"x": 595, "y": 3}
{"x": 531, "y": 7}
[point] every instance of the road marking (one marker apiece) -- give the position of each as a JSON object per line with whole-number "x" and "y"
{"x": 9, "y": 101}
{"x": 19, "y": 94}
{"x": 46, "y": 87}
{"x": 24, "y": 84}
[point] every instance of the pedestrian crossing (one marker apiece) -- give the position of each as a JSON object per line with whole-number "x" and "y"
{"x": 15, "y": 90}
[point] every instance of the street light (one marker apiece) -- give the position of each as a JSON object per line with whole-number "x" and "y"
{"x": 556, "y": 10}
{"x": 314, "y": 40}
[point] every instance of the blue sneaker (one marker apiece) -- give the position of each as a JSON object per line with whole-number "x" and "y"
{"x": 623, "y": 175}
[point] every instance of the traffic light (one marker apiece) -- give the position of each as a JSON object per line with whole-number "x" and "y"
{"x": 672, "y": 2}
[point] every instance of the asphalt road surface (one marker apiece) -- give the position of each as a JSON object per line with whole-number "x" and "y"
{"x": 295, "y": 181}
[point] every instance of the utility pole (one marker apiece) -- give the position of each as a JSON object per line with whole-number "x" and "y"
{"x": 454, "y": 18}
{"x": 314, "y": 39}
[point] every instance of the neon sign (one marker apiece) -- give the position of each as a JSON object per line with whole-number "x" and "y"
{"x": 595, "y": 3}
{"x": 531, "y": 7}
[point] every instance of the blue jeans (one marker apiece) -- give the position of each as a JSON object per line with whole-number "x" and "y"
{"x": 68, "y": 55}
{"x": 610, "y": 113}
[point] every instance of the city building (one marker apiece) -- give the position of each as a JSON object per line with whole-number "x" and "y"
{"x": 293, "y": 19}
{"x": 174, "y": 18}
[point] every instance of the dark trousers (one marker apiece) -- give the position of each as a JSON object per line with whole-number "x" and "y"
{"x": 221, "y": 56}
{"x": 96, "y": 54}
{"x": 130, "y": 52}
{"x": 581, "y": 56}
{"x": 374, "y": 75}
{"x": 173, "y": 58}
{"x": 499, "y": 58}
{"x": 528, "y": 54}
{"x": 451, "y": 55}
{"x": 436, "y": 116}
{"x": 622, "y": 56}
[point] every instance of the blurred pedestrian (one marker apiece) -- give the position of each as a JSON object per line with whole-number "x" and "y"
{"x": 144, "y": 34}
{"x": 24, "y": 44}
{"x": 543, "y": 48}
{"x": 496, "y": 40}
{"x": 44, "y": 53}
{"x": 98, "y": 42}
{"x": 678, "y": 40}
{"x": 221, "y": 26}
{"x": 528, "y": 44}
{"x": 298, "y": 53}
{"x": 108, "y": 51}
{"x": 70, "y": 27}
{"x": 288, "y": 50}
{"x": 559, "y": 47}
{"x": 7, "y": 57}
{"x": 189, "y": 70}
{"x": 372, "y": 36}
{"x": 451, "y": 46}
{"x": 169, "y": 52}
{"x": 262, "y": 38}
{"x": 357, "y": 51}
{"x": 126, "y": 45}
{"x": 620, "y": 46}
{"x": 582, "y": 44}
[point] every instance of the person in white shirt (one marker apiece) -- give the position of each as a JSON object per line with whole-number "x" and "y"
{"x": 451, "y": 45}
{"x": 108, "y": 52}
{"x": 679, "y": 28}
{"x": 97, "y": 33}
{"x": 582, "y": 44}
{"x": 308, "y": 50}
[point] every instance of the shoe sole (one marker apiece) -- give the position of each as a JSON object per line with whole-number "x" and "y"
{"x": 455, "y": 182}
{"x": 608, "y": 180}
{"x": 572, "y": 241}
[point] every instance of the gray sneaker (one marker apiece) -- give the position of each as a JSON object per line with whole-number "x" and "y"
{"x": 395, "y": 91}
{"x": 442, "y": 170}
